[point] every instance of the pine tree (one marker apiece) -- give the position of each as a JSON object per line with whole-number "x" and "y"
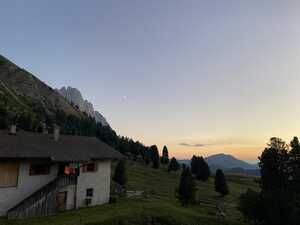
{"x": 120, "y": 175}
{"x": 278, "y": 202}
{"x": 295, "y": 147}
{"x": 173, "y": 165}
{"x": 203, "y": 172}
{"x": 187, "y": 189}
{"x": 200, "y": 168}
{"x": 165, "y": 156}
{"x": 272, "y": 164}
{"x": 221, "y": 183}
{"x": 194, "y": 165}
{"x": 154, "y": 156}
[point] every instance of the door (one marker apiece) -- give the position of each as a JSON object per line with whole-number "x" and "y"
{"x": 61, "y": 201}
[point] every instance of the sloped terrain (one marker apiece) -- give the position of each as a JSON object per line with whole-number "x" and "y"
{"x": 157, "y": 205}
{"x": 24, "y": 90}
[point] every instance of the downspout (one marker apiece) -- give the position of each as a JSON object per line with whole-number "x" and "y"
{"x": 77, "y": 174}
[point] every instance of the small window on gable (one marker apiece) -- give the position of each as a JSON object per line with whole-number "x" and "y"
{"x": 89, "y": 192}
{"x": 39, "y": 169}
{"x": 89, "y": 167}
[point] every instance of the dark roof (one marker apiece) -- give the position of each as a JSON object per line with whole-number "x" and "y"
{"x": 27, "y": 145}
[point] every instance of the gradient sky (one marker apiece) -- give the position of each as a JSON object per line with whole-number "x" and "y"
{"x": 202, "y": 77}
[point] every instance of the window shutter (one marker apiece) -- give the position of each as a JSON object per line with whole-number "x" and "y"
{"x": 9, "y": 174}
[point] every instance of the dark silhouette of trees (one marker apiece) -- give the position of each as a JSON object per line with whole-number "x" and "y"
{"x": 165, "y": 156}
{"x": 186, "y": 191}
{"x": 33, "y": 117}
{"x": 173, "y": 165}
{"x": 204, "y": 172}
{"x": 194, "y": 166}
{"x": 278, "y": 202}
{"x": 221, "y": 183}
{"x": 200, "y": 168}
{"x": 272, "y": 164}
{"x": 251, "y": 205}
{"x": 146, "y": 154}
{"x": 154, "y": 156}
{"x": 120, "y": 175}
{"x": 295, "y": 147}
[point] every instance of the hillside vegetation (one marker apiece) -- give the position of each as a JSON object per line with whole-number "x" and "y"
{"x": 31, "y": 104}
{"x": 24, "y": 90}
{"x": 157, "y": 204}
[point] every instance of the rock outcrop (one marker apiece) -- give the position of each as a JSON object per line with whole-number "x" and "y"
{"x": 75, "y": 97}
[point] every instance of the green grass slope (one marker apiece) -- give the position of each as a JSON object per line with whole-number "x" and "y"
{"x": 157, "y": 205}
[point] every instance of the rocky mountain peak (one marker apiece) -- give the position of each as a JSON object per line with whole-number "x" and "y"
{"x": 75, "y": 97}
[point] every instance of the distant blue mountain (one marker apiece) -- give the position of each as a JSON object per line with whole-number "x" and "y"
{"x": 229, "y": 164}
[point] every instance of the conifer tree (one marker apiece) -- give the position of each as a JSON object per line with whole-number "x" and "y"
{"x": 200, "y": 168}
{"x": 203, "y": 171}
{"x": 272, "y": 164}
{"x": 278, "y": 202}
{"x": 194, "y": 165}
{"x": 295, "y": 146}
{"x": 120, "y": 175}
{"x": 186, "y": 192}
{"x": 154, "y": 156}
{"x": 221, "y": 183}
{"x": 165, "y": 156}
{"x": 173, "y": 165}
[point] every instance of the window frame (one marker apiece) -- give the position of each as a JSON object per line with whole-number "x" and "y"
{"x": 86, "y": 169}
{"x": 89, "y": 193}
{"x": 32, "y": 173}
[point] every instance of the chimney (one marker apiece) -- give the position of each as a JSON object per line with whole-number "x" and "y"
{"x": 45, "y": 130}
{"x": 56, "y": 133}
{"x": 13, "y": 130}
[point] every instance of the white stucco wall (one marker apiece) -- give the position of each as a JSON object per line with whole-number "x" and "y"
{"x": 99, "y": 181}
{"x": 27, "y": 185}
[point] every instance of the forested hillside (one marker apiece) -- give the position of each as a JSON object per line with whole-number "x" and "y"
{"x": 31, "y": 104}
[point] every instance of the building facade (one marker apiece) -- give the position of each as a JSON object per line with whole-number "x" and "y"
{"x": 41, "y": 176}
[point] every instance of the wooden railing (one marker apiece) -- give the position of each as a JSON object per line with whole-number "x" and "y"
{"x": 43, "y": 201}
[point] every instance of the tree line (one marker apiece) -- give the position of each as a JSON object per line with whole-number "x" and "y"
{"x": 34, "y": 117}
{"x": 278, "y": 201}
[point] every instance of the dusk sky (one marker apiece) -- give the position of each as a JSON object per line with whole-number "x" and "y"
{"x": 201, "y": 77}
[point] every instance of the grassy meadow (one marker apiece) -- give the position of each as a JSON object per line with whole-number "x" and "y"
{"x": 157, "y": 205}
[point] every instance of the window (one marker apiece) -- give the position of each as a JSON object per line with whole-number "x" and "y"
{"x": 9, "y": 174}
{"x": 39, "y": 169}
{"x": 90, "y": 167}
{"x": 89, "y": 192}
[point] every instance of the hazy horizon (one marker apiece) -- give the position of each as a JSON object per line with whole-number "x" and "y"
{"x": 202, "y": 77}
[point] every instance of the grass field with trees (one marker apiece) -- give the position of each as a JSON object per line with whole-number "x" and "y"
{"x": 158, "y": 203}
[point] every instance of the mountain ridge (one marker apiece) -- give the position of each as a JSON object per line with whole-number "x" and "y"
{"x": 74, "y": 96}
{"x": 229, "y": 164}
{"x": 21, "y": 91}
